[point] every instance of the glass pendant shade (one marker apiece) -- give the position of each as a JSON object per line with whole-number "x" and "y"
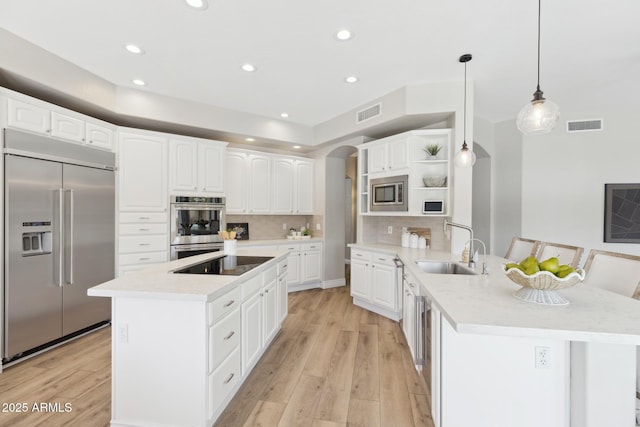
{"x": 464, "y": 158}
{"x": 538, "y": 117}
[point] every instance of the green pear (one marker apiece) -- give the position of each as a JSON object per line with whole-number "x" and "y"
{"x": 563, "y": 267}
{"x": 528, "y": 261}
{"x": 512, "y": 265}
{"x": 551, "y": 265}
{"x": 565, "y": 272}
{"x": 531, "y": 269}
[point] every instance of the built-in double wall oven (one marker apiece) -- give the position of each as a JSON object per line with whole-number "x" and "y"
{"x": 195, "y": 222}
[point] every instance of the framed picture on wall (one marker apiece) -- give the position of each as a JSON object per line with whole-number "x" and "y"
{"x": 241, "y": 229}
{"x": 622, "y": 213}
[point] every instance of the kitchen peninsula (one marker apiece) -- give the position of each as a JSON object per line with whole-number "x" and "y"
{"x": 484, "y": 342}
{"x": 182, "y": 344}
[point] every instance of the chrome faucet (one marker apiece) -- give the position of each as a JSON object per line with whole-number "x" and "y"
{"x": 484, "y": 255}
{"x": 470, "y": 230}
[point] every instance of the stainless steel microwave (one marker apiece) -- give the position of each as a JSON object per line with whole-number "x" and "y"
{"x": 389, "y": 194}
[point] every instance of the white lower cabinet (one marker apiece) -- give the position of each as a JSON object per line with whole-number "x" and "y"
{"x": 207, "y": 347}
{"x": 374, "y": 282}
{"x": 260, "y": 317}
{"x": 304, "y": 269}
{"x": 143, "y": 240}
{"x": 409, "y": 315}
{"x": 283, "y": 295}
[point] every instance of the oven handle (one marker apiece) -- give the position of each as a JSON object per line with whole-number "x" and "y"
{"x": 197, "y": 246}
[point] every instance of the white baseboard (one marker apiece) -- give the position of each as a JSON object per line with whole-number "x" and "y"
{"x": 335, "y": 283}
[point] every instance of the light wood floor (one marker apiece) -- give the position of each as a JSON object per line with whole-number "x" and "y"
{"x": 77, "y": 374}
{"x": 332, "y": 364}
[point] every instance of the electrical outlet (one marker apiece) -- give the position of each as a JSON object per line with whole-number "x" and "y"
{"x": 123, "y": 333}
{"x": 390, "y": 229}
{"x": 543, "y": 357}
{"x": 318, "y": 227}
{"x": 284, "y": 227}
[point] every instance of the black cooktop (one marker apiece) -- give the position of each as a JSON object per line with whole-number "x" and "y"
{"x": 229, "y": 265}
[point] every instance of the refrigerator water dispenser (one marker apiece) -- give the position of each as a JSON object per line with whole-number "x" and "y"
{"x": 36, "y": 243}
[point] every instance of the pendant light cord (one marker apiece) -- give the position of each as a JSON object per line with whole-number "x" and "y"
{"x": 539, "y": 6}
{"x": 464, "y": 124}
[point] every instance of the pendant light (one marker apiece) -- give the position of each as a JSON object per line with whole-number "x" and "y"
{"x": 541, "y": 115}
{"x": 465, "y": 158}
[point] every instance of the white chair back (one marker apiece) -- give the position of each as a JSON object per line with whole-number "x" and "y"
{"x": 566, "y": 254}
{"x": 615, "y": 272}
{"x": 521, "y": 248}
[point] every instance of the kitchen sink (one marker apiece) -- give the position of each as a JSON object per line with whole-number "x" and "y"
{"x": 443, "y": 267}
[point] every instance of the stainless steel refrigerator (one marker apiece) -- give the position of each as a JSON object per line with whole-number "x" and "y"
{"x": 59, "y": 232}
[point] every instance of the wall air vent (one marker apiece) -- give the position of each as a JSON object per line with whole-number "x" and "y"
{"x": 584, "y": 125}
{"x": 369, "y": 113}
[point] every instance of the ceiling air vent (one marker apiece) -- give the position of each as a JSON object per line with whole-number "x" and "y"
{"x": 584, "y": 125}
{"x": 368, "y": 113}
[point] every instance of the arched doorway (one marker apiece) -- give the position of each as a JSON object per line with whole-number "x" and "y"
{"x": 340, "y": 211}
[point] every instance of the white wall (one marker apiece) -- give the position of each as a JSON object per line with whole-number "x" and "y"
{"x": 508, "y": 192}
{"x": 563, "y": 177}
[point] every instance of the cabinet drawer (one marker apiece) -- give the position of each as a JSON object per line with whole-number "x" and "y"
{"x": 151, "y": 243}
{"x": 270, "y": 275}
{"x": 383, "y": 259}
{"x": 282, "y": 267}
{"x": 142, "y": 229}
{"x": 311, "y": 246}
{"x": 360, "y": 255}
{"x": 143, "y": 217}
{"x": 224, "y": 337}
{"x": 251, "y": 286}
{"x": 223, "y": 305}
{"x": 291, "y": 247}
{"x": 223, "y": 381}
{"x": 144, "y": 258}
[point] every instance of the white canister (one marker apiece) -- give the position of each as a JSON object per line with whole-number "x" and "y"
{"x": 405, "y": 239}
{"x": 422, "y": 242}
{"x": 230, "y": 247}
{"x": 414, "y": 240}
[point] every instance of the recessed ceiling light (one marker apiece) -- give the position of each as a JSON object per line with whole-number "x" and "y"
{"x": 197, "y": 4}
{"x": 132, "y": 48}
{"x": 139, "y": 82}
{"x": 296, "y": 147}
{"x": 249, "y": 139}
{"x": 344, "y": 35}
{"x": 284, "y": 115}
{"x": 350, "y": 79}
{"x": 248, "y": 68}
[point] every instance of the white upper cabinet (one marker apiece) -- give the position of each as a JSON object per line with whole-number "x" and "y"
{"x": 261, "y": 183}
{"x": 211, "y": 168}
{"x": 142, "y": 172}
{"x": 23, "y": 115}
{"x": 236, "y": 182}
{"x": 259, "y": 201}
{"x": 283, "y": 186}
{"x": 63, "y": 126}
{"x": 98, "y": 136}
{"x": 304, "y": 189}
{"x": 196, "y": 167}
{"x": 37, "y": 116}
{"x": 388, "y": 156}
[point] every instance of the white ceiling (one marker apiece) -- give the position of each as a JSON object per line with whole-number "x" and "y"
{"x": 590, "y": 50}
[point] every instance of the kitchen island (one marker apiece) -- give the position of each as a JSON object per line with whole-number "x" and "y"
{"x": 484, "y": 347}
{"x": 183, "y": 343}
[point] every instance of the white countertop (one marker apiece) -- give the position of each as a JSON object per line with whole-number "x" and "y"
{"x": 484, "y": 304}
{"x": 282, "y": 241}
{"x": 160, "y": 283}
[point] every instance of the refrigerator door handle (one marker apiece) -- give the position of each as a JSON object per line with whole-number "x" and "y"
{"x": 58, "y": 233}
{"x": 68, "y": 240}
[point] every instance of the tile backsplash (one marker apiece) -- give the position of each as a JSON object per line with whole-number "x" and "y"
{"x": 375, "y": 230}
{"x": 266, "y": 227}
